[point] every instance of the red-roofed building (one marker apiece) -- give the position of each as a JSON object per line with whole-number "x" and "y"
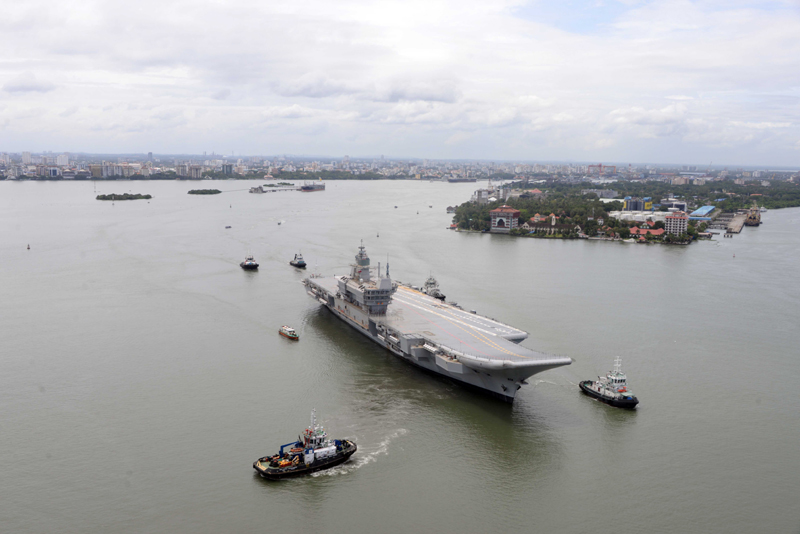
{"x": 644, "y": 231}
{"x": 504, "y": 219}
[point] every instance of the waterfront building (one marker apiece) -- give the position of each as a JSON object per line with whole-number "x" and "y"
{"x": 676, "y": 223}
{"x": 504, "y": 219}
{"x": 644, "y": 231}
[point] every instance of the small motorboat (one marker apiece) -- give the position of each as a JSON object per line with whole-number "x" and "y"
{"x": 298, "y": 261}
{"x": 289, "y": 332}
{"x": 611, "y": 389}
{"x": 312, "y": 452}
{"x": 249, "y": 264}
{"x": 227, "y": 227}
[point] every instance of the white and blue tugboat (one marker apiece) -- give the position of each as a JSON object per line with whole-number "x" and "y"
{"x": 431, "y": 288}
{"x": 249, "y": 264}
{"x": 298, "y": 261}
{"x": 312, "y": 452}
{"x": 613, "y": 389}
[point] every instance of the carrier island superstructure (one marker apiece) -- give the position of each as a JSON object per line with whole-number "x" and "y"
{"x": 426, "y": 332}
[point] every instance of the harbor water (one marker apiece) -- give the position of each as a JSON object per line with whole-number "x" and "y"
{"x": 142, "y": 370}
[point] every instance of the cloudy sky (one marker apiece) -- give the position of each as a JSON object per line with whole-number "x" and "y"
{"x": 671, "y": 81}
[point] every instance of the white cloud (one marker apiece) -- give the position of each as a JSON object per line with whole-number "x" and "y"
{"x": 466, "y": 78}
{"x": 27, "y": 82}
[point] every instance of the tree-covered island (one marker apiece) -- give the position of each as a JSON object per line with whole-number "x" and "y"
{"x": 124, "y": 196}
{"x": 205, "y": 192}
{"x": 567, "y": 211}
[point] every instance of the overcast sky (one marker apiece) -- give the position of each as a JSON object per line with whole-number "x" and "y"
{"x": 670, "y": 81}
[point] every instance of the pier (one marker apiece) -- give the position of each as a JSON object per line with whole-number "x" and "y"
{"x": 736, "y": 224}
{"x": 260, "y": 189}
{"x": 732, "y": 223}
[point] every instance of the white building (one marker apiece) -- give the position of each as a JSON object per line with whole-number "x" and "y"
{"x": 62, "y": 159}
{"x": 676, "y": 223}
{"x": 26, "y": 158}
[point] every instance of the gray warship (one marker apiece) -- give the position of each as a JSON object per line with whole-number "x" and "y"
{"x": 431, "y": 334}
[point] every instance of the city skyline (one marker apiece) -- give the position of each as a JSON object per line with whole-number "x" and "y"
{"x": 674, "y": 82}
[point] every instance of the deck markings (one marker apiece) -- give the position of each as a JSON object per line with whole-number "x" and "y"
{"x": 474, "y": 331}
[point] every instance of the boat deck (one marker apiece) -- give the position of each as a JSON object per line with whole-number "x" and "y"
{"x": 415, "y": 313}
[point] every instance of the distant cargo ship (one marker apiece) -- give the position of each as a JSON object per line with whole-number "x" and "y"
{"x": 309, "y": 187}
{"x": 431, "y": 334}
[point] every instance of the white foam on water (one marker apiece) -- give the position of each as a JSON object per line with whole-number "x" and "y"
{"x": 362, "y": 459}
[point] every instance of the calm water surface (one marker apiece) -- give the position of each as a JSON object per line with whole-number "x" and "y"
{"x": 142, "y": 372}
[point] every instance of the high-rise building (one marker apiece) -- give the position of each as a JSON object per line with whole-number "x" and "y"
{"x": 149, "y": 156}
{"x": 26, "y": 158}
{"x": 676, "y": 223}
{"x": 62, "y": 159}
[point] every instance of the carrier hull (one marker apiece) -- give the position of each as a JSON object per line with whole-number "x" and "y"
{"x": 442, "y": 339}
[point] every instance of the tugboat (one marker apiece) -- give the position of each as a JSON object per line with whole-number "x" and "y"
{"x": 287, "y": 331}
{"x": 313, "y": 451}
{"x": 431, "y": 288}
{"x": 298, "y": 261}
{"x": 249, "y": 264}
{"x": 613, "y": 389}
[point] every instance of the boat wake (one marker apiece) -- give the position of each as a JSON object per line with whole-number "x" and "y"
{"x": 362, "y": 457}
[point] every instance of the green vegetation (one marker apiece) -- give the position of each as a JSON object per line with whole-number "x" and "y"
{"x": 205, "y": 192}
{"x": 124, "y": 196}
{"x": 779, "y": 194}
{"x": 565, "y": 201}
{"x": 279, "y": 184}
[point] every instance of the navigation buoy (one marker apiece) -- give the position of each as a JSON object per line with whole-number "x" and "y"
{"x": 29, "y": 246}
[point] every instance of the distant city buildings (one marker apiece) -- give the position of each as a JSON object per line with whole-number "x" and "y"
{"x": 67, "y": 166}
{"x": 601, "y": 193}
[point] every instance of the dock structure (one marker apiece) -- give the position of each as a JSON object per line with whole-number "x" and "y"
{"x": 721, "y": 221}
{"x": 737, "y": 223}
{"x": 261, "y": 189}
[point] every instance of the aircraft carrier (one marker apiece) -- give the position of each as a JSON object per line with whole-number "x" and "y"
{"x": 426, "y": 332}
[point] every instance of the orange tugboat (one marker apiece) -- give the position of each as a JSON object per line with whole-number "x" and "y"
{"x": 289, "y": 332}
